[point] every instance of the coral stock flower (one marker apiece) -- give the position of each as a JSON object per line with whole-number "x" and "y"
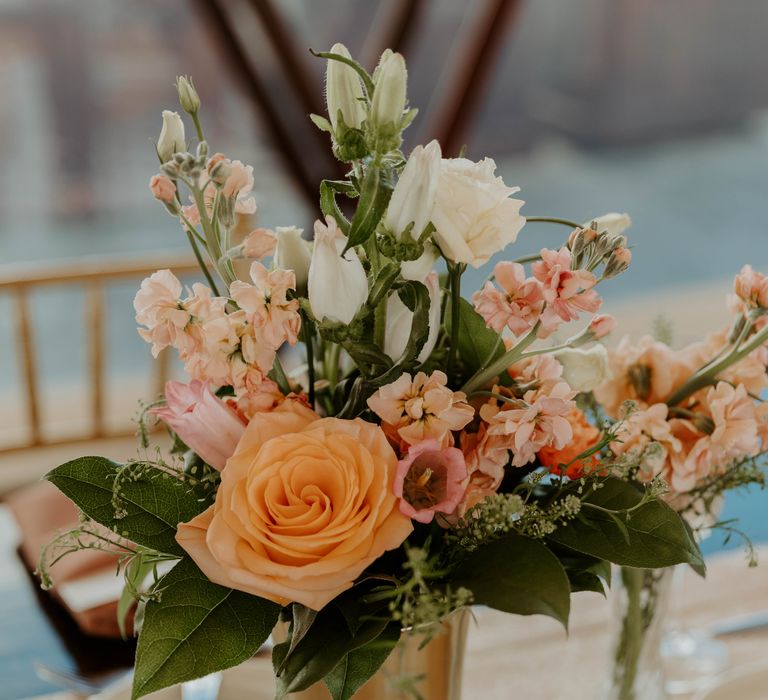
{"x": 202, "y": 420}
{"x": 585, "y": 436}
{"x": 305, "y": 505}
{"x": 260, "y": 243}
{"x": 516, "y": 306}
{"x": 430, "y": 480}
{"x": 421, "y": 407}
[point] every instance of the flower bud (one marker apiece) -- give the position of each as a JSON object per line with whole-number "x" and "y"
{"x": 584, "y": 370}
{"x": 171, "y": 139}
{"x": 292, "y": 253}
{"x": 344, "y": 93}
{"x": 400, "y": 320}
{"x": 612, "y": 223}
{"x": 337, "y": 286}
{"x": 618, "y": 262}
{"x": 388, "y": 103}
{"x": 601, "y": 325}
{"x": 162, "y": 188}
{"x": 413, "y": 199}
{"x": 188, "y": 97}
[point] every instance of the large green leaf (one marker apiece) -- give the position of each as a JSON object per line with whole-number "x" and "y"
{"x": 151, "y": 502}
{"x": 517, "y": 575}
{"x": 197, "y": 628}
{"x": 357, "y": 667}
{"x": 478, "y": 344}
{"x": 651, "y": 536}
{"x": 322, "y": 647}
{"x": 374, "y": 197}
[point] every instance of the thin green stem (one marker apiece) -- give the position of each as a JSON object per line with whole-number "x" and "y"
{"x": 485, "y": 375}
{"x": 201, "y": 262}
{"x": 306, "y": 327}
{"x": 198, "y": 126}
{"x": 280, "y": 376}
{"x": 527, "y": 259}
{"x": 454, "y": 275}
{"x": 332, "y": 364}
{"x": 552, "y": 220}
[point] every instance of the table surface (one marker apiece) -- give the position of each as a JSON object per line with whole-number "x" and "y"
{"x": 533, "y": 655}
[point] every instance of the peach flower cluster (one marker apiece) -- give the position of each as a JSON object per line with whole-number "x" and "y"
{"x": 555, "y": 294}
{"x": 218, "y": 344}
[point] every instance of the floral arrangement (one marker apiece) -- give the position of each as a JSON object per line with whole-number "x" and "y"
{"x": 360, "y": 450}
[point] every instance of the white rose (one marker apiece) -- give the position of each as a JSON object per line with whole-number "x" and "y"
{"x": 171, "y": 139}
{"x": 584, "y": 370}
{"x": 473, "y": 216}
{"x": 400, "y": 318}
{"x": 613, "y": 223}
{"x": 337, "y": 286}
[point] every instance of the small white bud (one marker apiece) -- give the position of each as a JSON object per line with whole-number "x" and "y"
{"x": 344, "y": 92}
{"x": 292, "y": 253}
{"x": 171, "y": 139}
{"x": 188, "y": 97}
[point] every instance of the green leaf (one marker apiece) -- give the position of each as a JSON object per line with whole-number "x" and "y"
{"x": 321, "y": 123}
{"x": 479, "y": 345}
{"x": 329, "y": 207}
{"x": 197, "y": 628}
{"x": 136, "y": 571}
{"x": 651, "y": 536}
{"x": 585, "y": 581}
{"x": 374, "y": 197}
{"x": 153, "y": 502}
{"x": 357, "y": 667}
{"x": 321, "y": 649}
{"x": 517, "y": 575}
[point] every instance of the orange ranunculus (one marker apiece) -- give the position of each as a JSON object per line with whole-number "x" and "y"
{"x": 304, "y": 506}
{"x": 585, "y": 436}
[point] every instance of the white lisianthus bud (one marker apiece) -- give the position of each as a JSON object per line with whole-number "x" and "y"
{"x": 400, "y": 318}
{"x": 414, "y": 196}
{"x": 188, "y": 97}
{"x": 344, "y": 92}
{"x": 419, "y": 269}
{"x": 584, "y": 370}
{"x": 388, "y": 101}
{"x": 337, "y": 286}
{"x": 474, "y": 216}
{"x": 292, "y": 253}
{"x": 171, "y": 139}
{"x": 613, "y": 223}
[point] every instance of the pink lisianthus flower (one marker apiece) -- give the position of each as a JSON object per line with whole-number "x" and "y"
{"x": 421, "y": 407}
{"x": 430, "y": 480}
{"x": 516, "y": 306}
{"x": 202, "y": 420}
{"x": 162, "y": 188}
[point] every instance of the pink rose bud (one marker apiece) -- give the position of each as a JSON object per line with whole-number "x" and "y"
{"x": 162, "y": 188}
{"x": 601, "y": 325}
{"x": 429, "y": 480}
{"x": 202, "y": 420}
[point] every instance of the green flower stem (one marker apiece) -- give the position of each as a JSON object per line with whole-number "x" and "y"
{"x": 708, "y": 374}
{"x": 524, "y": 260}
{"x": 332, "y": 364}
{"x": 201, "y": 262}
{"x": 280, "y": 377}
{"x": 198, "y": 126}
{"x": 552, "y": 220}
{"x": 627, "y": 654}
{"x": 454, "y": 275}
{"x": 483, "y": 376}
{"x": 306, "y": 329}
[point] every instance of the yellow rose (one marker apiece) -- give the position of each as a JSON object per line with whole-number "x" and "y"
{"x": 304, "y": 506}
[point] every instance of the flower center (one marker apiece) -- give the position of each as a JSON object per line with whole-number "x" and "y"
{"x": 425, "y": 483}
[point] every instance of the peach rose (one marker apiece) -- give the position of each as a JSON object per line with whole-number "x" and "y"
{"x": 304, "y": 506}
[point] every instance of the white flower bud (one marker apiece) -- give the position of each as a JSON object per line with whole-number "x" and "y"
{"x": 400, "y": 318}
{"x": 171, "y": 138}
{"x": 388, "y": 102}
{"x": 188, "y": 97}
{"x": 419, "y": 269}
{"x": 613, "y": 223}
{"x": 337, "y": 286}
{"x": 413, "y": 199}
{"x": 584, "y": 370}
{"x": 292, "y": 253}
{"x": 344, "y": 91}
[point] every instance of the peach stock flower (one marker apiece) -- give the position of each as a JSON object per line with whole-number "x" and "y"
{"x": 305, "y": 505}
{"x": 751, "y": 288}
{"x": 158, "y": 307}
{"x": 585, "y": 436}
{"x": 733, "y": 412}
{"x": 516, "y": 305}
{"x": 260, "y": 243}
{"x": 202, "y": 420}
{"x": 421, "y": 407}
{"x": 162, "y": 188}
{"x": 601, "y": 325}
{"x": 430, "y": 480}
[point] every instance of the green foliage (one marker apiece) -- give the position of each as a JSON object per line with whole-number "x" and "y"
{"x": 478, "y": 344}
{"x": 197, "y": 628}
{"x": 374, "y": 197}
{"x": 618, "y": 524}
{"x": 135, "y": 500}
{"x": 518, "y": 575}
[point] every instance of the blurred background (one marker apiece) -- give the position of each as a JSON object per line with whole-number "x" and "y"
{"x": 655, "y": 108}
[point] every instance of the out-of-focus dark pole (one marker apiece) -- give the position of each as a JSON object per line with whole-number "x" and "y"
{"x": 470, "y": 70}
{"x": 398, "y": 27}
{"x": 229, "y": 43}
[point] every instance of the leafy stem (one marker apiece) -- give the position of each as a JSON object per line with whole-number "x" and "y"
{"x": 454, "y": 275}
{"x": 552, "y": 220}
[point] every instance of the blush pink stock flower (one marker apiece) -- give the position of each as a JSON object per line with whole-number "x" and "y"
{"x": 736, "y": 431}
{"x": 430, "y": 479}
{"x": 421, "y": 407}
{"x": 601, "y": 325}
{"x": 751, "y": 287}
{"x": 567, "y": 292}
{"x": 158, "y": 307}
{"x": 202, "y": 420}
{"x": 162, "y": 188}
{"x": 517, "y": 305}
{"x": 260, "y": 243}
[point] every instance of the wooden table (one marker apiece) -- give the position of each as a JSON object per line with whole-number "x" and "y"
{"x": 508, "y": 657}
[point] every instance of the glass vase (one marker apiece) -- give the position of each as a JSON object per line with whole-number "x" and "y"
{"x": 426, "y": 664}
{"x": 641, "y": 599}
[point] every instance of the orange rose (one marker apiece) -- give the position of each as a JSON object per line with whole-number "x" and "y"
{"x": 585, "y": 435}
{"x": 304, "y": 506}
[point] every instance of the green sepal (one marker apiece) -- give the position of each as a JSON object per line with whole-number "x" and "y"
{"x": 374, "y": 197}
